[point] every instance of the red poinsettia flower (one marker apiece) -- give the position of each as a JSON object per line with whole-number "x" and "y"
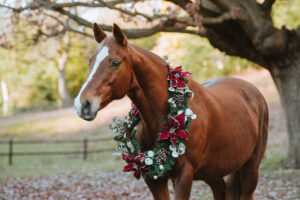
{"x": 177, "y": 77}
{"x": 180, "y": 72}
{"x": 174, "y": 129}
{"x": 134, "y": 111}
{"x": 134, "y": 164}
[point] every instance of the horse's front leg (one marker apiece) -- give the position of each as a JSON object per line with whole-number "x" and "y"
{"x": 159, "y": 188}
{"x": 183, "y": 182}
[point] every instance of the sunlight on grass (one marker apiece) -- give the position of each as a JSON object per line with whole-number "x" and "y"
{"x": 273, "y": 158}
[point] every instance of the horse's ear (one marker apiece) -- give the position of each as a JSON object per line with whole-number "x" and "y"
{"x": 98, "y": 33}
{"x": 119, "y": 35}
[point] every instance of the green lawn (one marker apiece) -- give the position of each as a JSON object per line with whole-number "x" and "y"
{"x": 59, "y": 127}
{"x": 45, "y": 165}
{"x": 56, "y": 164}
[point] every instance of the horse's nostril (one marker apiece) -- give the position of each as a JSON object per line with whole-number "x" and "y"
{"x": 86, "y": 107}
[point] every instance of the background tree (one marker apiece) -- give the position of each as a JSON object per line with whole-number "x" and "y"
{"x": 238, "y": 28}
{"x": 62, "y": 63}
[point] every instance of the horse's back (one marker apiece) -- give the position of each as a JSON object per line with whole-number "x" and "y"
{"x": 227, "y": 88}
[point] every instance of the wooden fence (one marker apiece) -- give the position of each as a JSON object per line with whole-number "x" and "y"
{"x": 84, "y": 151}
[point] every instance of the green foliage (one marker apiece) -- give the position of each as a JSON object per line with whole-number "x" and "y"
{"x": 146, "y": 43}
{"x": 196, "y": 55}
{"x": 77, "y": 67}
{"x": 286, "y": 13}
{"x": 45, "y": 85}
{"x": 31, "y": 75}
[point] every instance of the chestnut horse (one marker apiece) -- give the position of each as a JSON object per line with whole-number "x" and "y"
{"x": 227, "y": 139}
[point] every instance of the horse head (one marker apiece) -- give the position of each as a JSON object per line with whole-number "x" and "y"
{"x": 110, "y": 74}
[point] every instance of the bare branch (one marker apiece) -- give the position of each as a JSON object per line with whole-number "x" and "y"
{"x": 17, "y": 10}
{"x": 135, "y": 13}
{"x": 66, "y": 28}
{"x": 145, "y": 32}
{"x": 56, "y": 33}
{"x": 164, "y": 26}
{"x": 200, "y": 21}
{"x": 210, "y": 6}
{"x": 84, "y": 4}
{"x": 267, "y": 5}
{"x": 181, "y": 3}
{"x": 76, "y": 18}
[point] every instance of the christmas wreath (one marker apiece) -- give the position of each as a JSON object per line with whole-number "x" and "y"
{"x": 169, "y": 145}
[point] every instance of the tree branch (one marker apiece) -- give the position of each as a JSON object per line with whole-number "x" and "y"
{"x": 207, "y": 20}
{"x": 135, "y": 13}
{"x": 181, "y": 3}
{"x": 66, "y": 28}
{"x": 17, "y": 10}
{"x": 166, "y": 25}
{"x": 101, "y": 3}
{"x": 84, "y": 4}
{"x": 130, "y": 33}
{"x": 267, "y": 5}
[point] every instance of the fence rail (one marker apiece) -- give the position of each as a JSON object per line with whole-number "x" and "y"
{"x": 84, "y": 151}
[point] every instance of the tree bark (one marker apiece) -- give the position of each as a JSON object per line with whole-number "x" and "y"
{"x": 62, "y": 84}
{"x": 287, "y": 81}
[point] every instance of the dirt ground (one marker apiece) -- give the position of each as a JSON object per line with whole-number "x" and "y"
{"x": 275, "y": 183}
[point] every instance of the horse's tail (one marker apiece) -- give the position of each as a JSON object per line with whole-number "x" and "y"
{"x": 263, "y": 132}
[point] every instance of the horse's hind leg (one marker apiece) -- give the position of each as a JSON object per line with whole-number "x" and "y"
{"x": 249, "y": 171}
{"x": 249, "y": 179}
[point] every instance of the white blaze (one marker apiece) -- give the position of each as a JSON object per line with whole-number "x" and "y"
{"x": 100, "y": 57}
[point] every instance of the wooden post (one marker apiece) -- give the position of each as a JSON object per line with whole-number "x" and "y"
{"x": 85, "y": 147}
{"x": 10, "y": 153}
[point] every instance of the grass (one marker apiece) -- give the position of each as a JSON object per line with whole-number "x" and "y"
{"x": 42, "y": 165}
{"x": 273, "y": 158}
{"x": 24, "y": 166}
{"x": 54, "y": 128}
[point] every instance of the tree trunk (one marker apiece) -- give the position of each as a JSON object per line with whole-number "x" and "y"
{"x": 287, "y": 81}
{"x": 5, "y": 98}
{"x": 62, "y": 84}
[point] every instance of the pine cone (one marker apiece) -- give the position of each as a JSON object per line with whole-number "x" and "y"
{"x": 122, "y": 130}
{"x": 162, "y": 156}
{"x": 178, "y": 98}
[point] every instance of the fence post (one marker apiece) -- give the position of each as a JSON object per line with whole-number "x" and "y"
{"x": 10, "y": 153}
{"x": 85, "y": 146}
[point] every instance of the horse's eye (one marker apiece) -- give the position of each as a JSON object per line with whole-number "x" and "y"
{"x": 115, "y": 63}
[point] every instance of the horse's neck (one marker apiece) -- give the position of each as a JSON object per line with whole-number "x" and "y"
{"x": 150, "y": 92}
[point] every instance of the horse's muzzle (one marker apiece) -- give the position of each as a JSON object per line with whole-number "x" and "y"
{"x": 85, "y": 111}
